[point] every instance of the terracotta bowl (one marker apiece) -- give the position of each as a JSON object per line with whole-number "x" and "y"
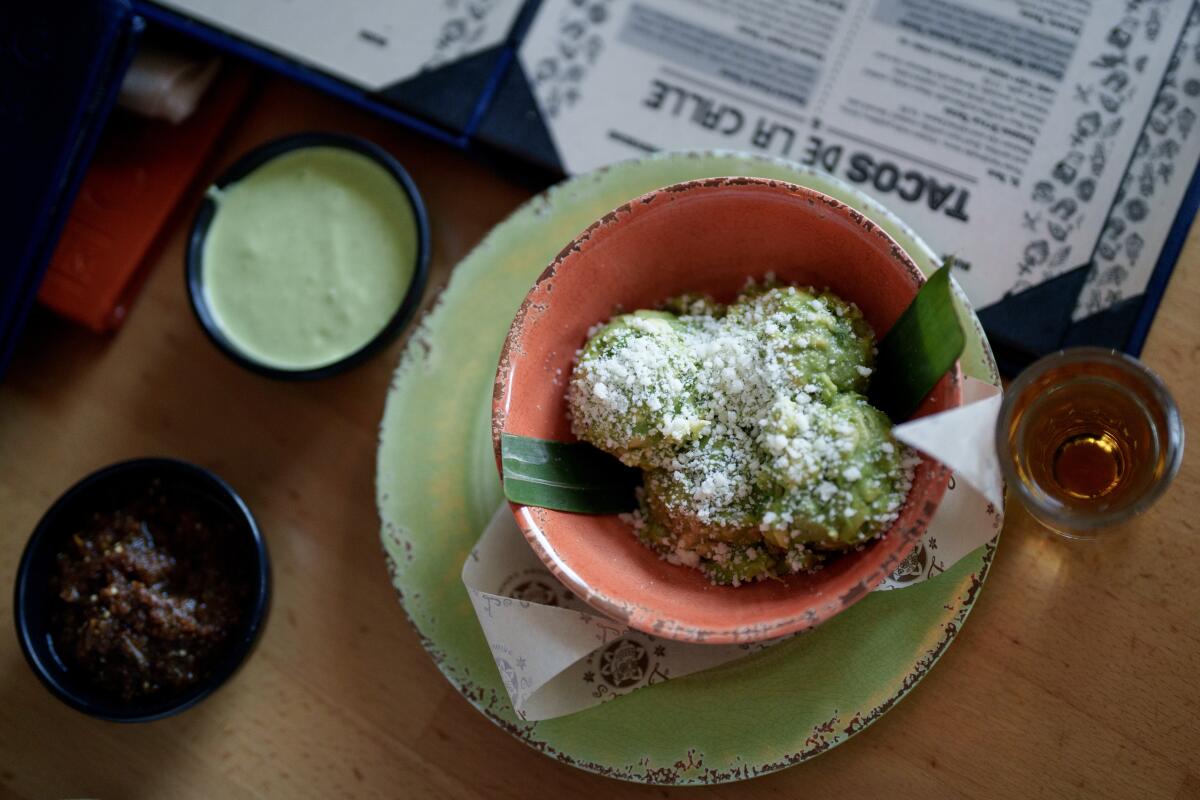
{"x": 702, "y": 236}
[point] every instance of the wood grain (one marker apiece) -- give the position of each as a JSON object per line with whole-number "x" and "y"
{"x": 1075, "y": 676}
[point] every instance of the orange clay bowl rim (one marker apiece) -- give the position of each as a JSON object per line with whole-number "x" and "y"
{"x": 902, "y": 540}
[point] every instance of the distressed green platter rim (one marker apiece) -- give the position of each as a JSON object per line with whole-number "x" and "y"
{"x": 748, "y": 718}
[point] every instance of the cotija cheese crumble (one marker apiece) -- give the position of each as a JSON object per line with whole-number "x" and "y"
{"x": 760, "y": 454}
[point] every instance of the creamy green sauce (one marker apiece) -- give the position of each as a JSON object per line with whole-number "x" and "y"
{"x": 308, "y": 257}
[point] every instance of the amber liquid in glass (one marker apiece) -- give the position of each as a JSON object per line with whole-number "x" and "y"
{"x": 1088, "y": 443}
{"x": 1088, "y": 438}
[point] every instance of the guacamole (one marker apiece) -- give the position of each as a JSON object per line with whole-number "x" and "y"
{"x": 761, "y": 456}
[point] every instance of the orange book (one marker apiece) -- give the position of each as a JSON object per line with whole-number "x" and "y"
{"x": 139, "y": 173}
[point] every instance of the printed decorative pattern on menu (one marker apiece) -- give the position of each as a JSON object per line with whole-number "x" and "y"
{"x": 1062, "y": 200}
{"x": 558, "y": 76}
{"x": 461, "y": 32}
{"x": 1127, "y": 250}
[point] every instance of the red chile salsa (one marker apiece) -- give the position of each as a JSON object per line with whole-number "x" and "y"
{"x": 148, "y": 594}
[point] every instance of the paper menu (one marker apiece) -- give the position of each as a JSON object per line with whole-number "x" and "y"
{"x": 1000, "y": 130}
{"x": 367, "y": 42}
{"x": 429, "y": 64}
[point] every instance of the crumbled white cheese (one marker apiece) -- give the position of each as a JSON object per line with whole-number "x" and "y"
{"x": 722, "y": 406}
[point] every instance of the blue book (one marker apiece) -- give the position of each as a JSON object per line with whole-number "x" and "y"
{"x": 58, "y": 83}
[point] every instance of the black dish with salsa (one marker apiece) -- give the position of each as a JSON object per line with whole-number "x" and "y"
{"x": 142, "y": 589}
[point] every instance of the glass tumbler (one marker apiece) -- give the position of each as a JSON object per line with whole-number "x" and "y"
{"x": 1088, "y": 438}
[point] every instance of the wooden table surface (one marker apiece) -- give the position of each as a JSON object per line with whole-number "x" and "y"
{"x": 1077, "y": 675}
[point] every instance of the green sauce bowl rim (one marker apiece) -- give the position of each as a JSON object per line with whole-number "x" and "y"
{"x": 248, "y": 163}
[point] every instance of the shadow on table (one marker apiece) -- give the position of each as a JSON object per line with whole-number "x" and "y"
{"x": 50, "y": 750}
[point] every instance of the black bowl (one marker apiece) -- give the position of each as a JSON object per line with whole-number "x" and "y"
{"x": 194, "y": 268}
{"x": 108, "y": 488}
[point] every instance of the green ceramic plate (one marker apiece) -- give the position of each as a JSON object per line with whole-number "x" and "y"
{"x": 754, "y": 716}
